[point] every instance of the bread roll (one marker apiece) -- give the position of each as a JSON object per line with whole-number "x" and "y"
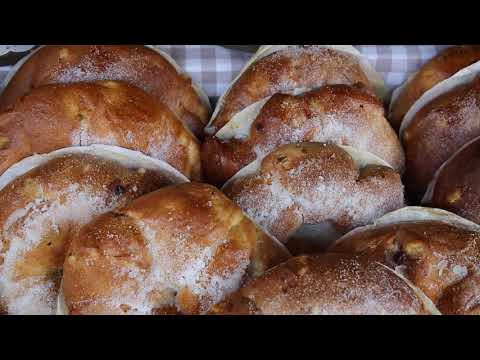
{"x": 443, "y": 123}
{"x": 46, "y": 199}
{"x": 343, "y": 114}
{"x": 455, "y": 186}
{"x": 330, "y": 284}
{"x": 153, "y": 71}
{"x": 437, "y": 251}
{"x": 315, "y": 187}
{"x": 292, "y": 68}
{"x": 178, "y": 250}
{"x": 52, "y": 117}
{"x": 437, "y": 69}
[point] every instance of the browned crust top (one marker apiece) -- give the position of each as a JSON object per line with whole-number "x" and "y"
{"x": 135, "y": 64}
{"x": 329, "y": 284}
{"x": 435, "y": 256}
{"x": 311, "y": 183}
{"x": 343, "y": 114}
{"x": 179, "y": 249}
{"x": 42, "y": 208}
{"x": 286, "y": 70}
{"x": 437, "y": 131}
{"x": 437, "y": 69}
{"x": 52, "y": 117}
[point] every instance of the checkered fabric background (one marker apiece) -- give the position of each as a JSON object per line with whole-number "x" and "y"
{"x": 214, "y": 67}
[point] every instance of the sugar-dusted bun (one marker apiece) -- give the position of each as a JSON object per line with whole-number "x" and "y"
{"x": 455, "y": 186}
{"x": 52, "y": 117}
{"x": 438, "y": 124}
{"x": 292, "y": 68}
{"x": 147, "y": 68}
{"x": 329, "y": 188}
{"x": 328, "y": 284}
{"x": 343, "y": 114}
{"x": 437, "y": 69}
{"x": 177, "y": 250}
{"x": 45, "y": 199}
{"x": 436, "y": 250}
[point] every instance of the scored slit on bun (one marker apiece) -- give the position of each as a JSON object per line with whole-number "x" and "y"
{"x": 45, "y": 199}
{"x": 52, "y": 117}
{"x": 144, "y": 66}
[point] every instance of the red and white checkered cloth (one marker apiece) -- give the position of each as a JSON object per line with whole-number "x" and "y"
{"x": 214, "y": 67}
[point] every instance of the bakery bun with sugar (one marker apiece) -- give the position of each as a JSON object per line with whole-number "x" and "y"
{"x": 307, "y": 194}
{"x": 143, "y": 66}
{"x": 343, "y": 114}
{"x": 439, "y": 252}
{"x": 439, "y": 124}
{"x": 45, "y": 199}
{"x": 56, "y": 116}
{"x": 455, "y": 185}
{"x": 441, "y": 67}
{"x": 178, "y": 250}
{"x": 292, "y": 69}
{"x": 328, "y": 284}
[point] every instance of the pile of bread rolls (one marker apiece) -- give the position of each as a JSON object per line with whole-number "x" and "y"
{"x": 121, "y": 192}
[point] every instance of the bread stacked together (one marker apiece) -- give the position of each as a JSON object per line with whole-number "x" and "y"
{"x": 98, "y": 145}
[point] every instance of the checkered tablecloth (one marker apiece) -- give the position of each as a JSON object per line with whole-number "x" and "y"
{"x": 214, "y": 67}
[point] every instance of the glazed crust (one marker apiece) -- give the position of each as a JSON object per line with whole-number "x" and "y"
{"x": 330, "y": 284}
{"x": 135, "y": 64}
{"x": 52, "y": 117}
{"x": 312, "y": 183}
{"x": 343, "y": 114}
{"x": 286, "y": 70}
{"x": 177, "y": 250}
{"x": 437, "y": 131}
{"x": 456, "y": 187}
{"x": 439, "y": 258}
{"x": 42, "y": 208}
{"x": 441, "y": 67}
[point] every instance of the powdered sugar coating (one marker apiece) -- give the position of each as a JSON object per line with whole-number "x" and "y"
{"x": 310, "y": 183}
{"x": 177, "y": 250}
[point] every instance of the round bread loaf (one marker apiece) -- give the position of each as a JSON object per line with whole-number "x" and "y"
{"x": 343, "y": 114}
{"x": 153, "y": 71}
{"x": 455, "y": 186}
{"x": 328, "y": 284}
{"x": 44, "y": 200}
{"x": 307, "y": 194}
{"x": 52, "y": 117}
{"x": 178, "y": 250}
{"x": 437, "y": 69}
{"x": 436, "y": 250}
{"x": 292, "y": 68}
{"x": 441, "y": 125}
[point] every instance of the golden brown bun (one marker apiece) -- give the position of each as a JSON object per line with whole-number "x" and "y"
{"x": 286, "y": 70}
{"x": 41, "y": 209}
{"x": 437, "y": 131}
{"x": 314, "y": 183}
{"x": 330, "y": 284}
{"x": 105, "y": 112}
{"x": 439, "y": 258}
{"x": 342, "y": 114}
{"x": 456, "y": 185}
{"x": 441, "y": 67}
{"x": 135, "y": 64}
{"x": 177, "y": 250}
